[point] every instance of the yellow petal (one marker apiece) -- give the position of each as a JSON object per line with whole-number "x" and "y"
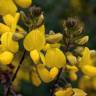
{"x": 23, "y": 3}
{"x": 60, "y": 93}
{"x": 8, "y": 19}
{"x": 11, "y": 45}
{"x": 6, "y": 57}
{"x": 4, "y": 28}
{"x": 55, "y": 58}
{"x": 14, "y": 24}
{"x": 89, "y": 70}
{"x": 35, "y": 56}
{"x": 34, "y": 40}
{"x": 7, "y": 7}
{"x": 35, "y": 79}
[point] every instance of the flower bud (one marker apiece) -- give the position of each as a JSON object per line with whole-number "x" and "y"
{"x": 73, "y": 76}
{"x": 54, "y": 38}
{"x": 71, "y": 58}
{"x": 89, "y": 70}
{"x": 17, "y": 36}
{"x": 72, "y": 68}
{"x": 82, "y": 40}
{"x": 79, "y": 50}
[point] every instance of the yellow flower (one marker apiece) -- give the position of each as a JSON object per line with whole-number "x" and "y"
{"x": 23, "y": 3}
{"x": 7, "y": 7}
{"x": 86, "y": 58}
{"x": 45, "y": 75}
{"x": 55, "y": 58}
{"x": 34, "y": 40}
{"x": 8, "y": 43}
{"x": 6, "y": 57}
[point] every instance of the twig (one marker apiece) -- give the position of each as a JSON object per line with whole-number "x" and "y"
{"x": 14, "y": 76}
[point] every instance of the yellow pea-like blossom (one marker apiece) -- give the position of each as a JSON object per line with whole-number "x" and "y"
{"x": 6, "y": 57}
{"x": 35, "y": 79}
{"x": 7, "y": 7}
{"x": 35, "y": 56}
{"x": 34, "y": 40}
{"x": 54, "y": 38}
{"x": 86, "y": 58}
{"x": 89, "y": 70}
{"x": 43, "y": 73}
{"x": 23, "y": 3}
{"x": 55, "y": 58}
{"x": 4, "y": 28}
{"x": 8, "y": 19}
{"x": 17, "y": 36}
{"x": 11, "y": 45}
